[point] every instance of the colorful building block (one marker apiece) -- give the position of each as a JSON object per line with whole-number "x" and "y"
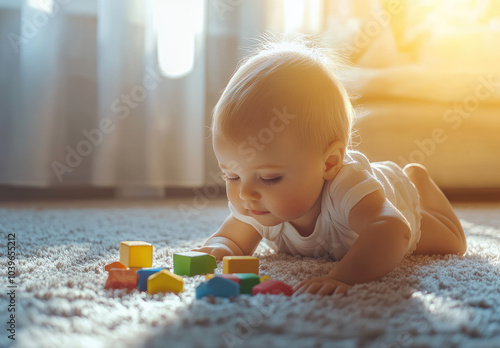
{"x": 114, "y": 265}
{"x": 240, "y": 264}
{"x": 143, "y": 275}
{"x": 218, "y": 287}
{"x": 136, "y": 254}
{"x": 264, "y": 278}
{"x": 191, "y": 263}
{"x": 119, "y": 278}
{"x": 273, "y": 287}
{"x": 232, "y": 277}
{"x": 165, "y": 281}
{"x": 247, "y": 282}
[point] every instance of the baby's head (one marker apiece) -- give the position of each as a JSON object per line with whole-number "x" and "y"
{"x": 295, "y": 76}
{"x": 283, "y": 107}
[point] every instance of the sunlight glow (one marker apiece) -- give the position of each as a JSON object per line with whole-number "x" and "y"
{"x": 303, "y": 16}
{"x": 177, "y": 24}
{"x": 294, "y": 12}
{"x": 454, "y": 35}
{"x": 46, "y": 6}
{"x": 455, "y": 14}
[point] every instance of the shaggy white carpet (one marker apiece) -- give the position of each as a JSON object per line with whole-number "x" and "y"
{"x": 60, "y": 301}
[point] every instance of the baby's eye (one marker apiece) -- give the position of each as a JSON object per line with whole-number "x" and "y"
{"x": 271, "y": 181}
{"x": 229, "y": 178}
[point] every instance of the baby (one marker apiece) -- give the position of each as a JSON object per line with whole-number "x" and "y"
{"x": 282, "y": 136}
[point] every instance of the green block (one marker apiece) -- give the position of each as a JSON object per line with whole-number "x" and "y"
{"x": 192, "y": 263}
{"x": 247, "y": 282}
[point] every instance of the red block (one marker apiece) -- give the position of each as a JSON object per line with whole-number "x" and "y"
{"x": 230, "y": 277}
{"x": 121, "y": 279}
{"x": 114, "y": 265}
{"x": 272, "y": 287}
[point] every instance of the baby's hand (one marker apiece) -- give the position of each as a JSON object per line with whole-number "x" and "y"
{"x": 217, "y": 250}
{"x": 322, "y": 286}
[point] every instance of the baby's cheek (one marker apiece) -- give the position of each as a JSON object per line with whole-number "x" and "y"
{"x": 292, "y": 206}
{"x": 232, "y": 194}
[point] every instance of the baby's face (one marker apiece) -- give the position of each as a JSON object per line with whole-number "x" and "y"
{"x": 273, "y": 183}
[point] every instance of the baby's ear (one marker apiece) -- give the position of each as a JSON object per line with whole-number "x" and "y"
{"x": 333, "y": 157}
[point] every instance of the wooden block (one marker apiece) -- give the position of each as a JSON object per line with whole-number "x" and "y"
{"x": 119, "y": 278}
{"x": 192, "y": 263}
{"x": 232, "y": 277}
{"x": 218, "y": 287}
{"x": 136, "y": 254}
{"x": 272, "y": 287}
{"x": 240, "y": 264}
{"x": 114, "y": 265}
{"x": 165, "y": 281}
{"x": 143, "y": 275}
{"x": 247, "y": 282}
{"x": 264, "y": 278}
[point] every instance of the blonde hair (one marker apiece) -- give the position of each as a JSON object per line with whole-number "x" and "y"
{"x": 296, "y": 76}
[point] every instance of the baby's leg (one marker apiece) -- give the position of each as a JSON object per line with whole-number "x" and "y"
{"x": 442, "y": 232}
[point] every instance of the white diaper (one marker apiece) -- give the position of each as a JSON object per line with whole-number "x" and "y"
{"x": 401, "y": 192}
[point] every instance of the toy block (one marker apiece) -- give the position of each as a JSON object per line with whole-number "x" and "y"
{"x": 136, "y": 254}
{"x": 264, "y": 278}
{"x": 218, "y": 287}
{"x": 114, "y": 265}
{"x": 232, "y": 277}
{"x": 143, "y": 275}
{"x": 240, "y": 264}
{"x": 273, "y": 287}
{"x": 119, "y": 278}
{"x": 192, "y": 263}
{"x": 165, "y": 281}
{"x": 247, "y": 282}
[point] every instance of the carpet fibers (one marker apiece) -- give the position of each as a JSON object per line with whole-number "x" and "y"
{"x": 60, "y": 300}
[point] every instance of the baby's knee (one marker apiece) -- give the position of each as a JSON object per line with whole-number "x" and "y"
{"x": 416, "y": 171}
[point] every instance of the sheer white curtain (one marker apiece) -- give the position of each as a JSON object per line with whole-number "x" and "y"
{"x": 119, "y": 92}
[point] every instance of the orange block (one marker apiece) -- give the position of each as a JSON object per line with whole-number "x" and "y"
{"x": 114, "y": 265}
{"x": 119, "y": 278}
{"x": 240, "y": 264}
{"x": 136, "y": 254}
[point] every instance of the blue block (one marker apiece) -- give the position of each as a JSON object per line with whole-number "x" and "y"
{"x": 218, "y": 287}
{"x": 143, "y": 275}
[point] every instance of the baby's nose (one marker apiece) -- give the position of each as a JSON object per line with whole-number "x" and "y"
{"x": 248, "y": 192}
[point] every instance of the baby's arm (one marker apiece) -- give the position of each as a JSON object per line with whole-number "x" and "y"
{"x": 382, "y": 243}
{"x": 233, "y": 238}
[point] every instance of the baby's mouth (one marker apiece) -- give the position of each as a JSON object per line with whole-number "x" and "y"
{"x": 258, "y": 212}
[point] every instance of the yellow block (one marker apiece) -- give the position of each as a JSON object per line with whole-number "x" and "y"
{"x": 240, "y": 264}
{"x": 264, "y": 278}
{"x": 165, "y": 281}
{"x": 136, "y": 254}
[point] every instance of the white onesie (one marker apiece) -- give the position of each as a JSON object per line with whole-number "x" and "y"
{"x": 332, "y": 235}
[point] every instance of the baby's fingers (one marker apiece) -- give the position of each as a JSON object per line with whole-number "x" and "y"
{"x": 306, "y": 286}
{"x": 299, "y": 287}
{"x": 328, "y": 289}
{"x": 203, "y": 250}
{"x": 209, "y": 250}
{"x": 322, "y": 286}
{"x": 341, "y": 289}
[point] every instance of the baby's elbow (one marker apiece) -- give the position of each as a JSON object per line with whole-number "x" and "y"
{"x": 406, "y": 231}
{"x": 401, "y": 232}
